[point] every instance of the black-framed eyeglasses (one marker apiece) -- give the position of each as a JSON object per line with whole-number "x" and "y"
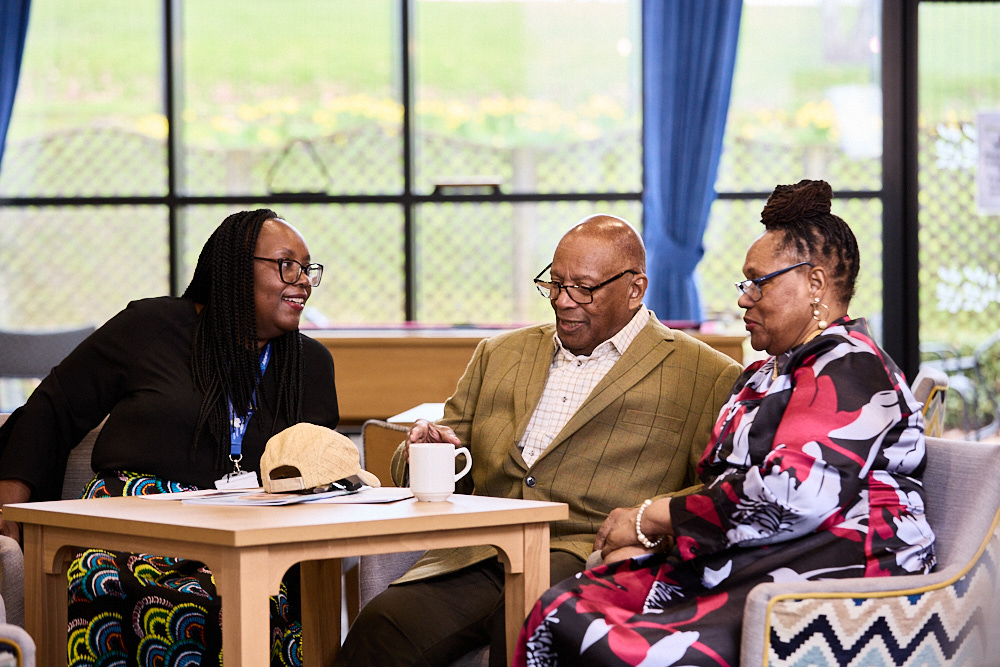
{"x": 290, "y": 271}
{"x": 751, "y": 287}
{"x": 581, "y": 294}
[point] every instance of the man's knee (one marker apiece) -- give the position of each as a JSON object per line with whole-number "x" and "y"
{"x": 387, "y": 609}
{"x": 379, "y": 635}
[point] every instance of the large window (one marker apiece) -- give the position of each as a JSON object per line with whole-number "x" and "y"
{"x": 959, "y": 120}
{"x": 806, "y": 103}
{"x": 431, "y": 151}
{"x": 88, "y": 124}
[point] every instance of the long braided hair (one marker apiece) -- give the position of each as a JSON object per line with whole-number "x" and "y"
{"x": 224, "y": 358}
{"x": 802, "y": 212}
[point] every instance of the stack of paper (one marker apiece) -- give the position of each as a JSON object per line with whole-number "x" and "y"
{"x": 250, "y": 497}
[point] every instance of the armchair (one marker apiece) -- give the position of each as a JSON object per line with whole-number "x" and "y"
{"x": 948, "y": 617}
{"x": 17, "y": 648}
{"x": 28, "y": 356}
{"x": 78, "y": 473}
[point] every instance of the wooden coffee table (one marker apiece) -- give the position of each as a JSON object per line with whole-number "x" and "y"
{"x": 249, "y": 549}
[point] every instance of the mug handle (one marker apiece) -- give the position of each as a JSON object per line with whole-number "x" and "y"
{"x": 468, "y": 462}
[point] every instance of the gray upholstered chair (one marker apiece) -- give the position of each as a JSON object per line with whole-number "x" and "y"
{"x": 32, "y": 354}
{"x": 17, "y": 648}
{"x": 78, "y": 473}
{"x": 948, "y": 617}
{"x": 28, "y": 356}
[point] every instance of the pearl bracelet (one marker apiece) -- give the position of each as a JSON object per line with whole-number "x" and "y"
{"x": 643, "y": 540}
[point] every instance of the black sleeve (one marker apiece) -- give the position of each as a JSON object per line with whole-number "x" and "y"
{"x": 319, "y": 391}
{"x": 37, "y": 438}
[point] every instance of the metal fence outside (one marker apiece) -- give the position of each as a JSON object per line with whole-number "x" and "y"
{"x": 77, "y": 265}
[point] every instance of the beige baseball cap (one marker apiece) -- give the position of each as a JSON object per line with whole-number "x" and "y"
{"x": 305, "y": 456}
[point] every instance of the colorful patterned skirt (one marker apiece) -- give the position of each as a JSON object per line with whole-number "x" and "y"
{"x": 154, "y": 611}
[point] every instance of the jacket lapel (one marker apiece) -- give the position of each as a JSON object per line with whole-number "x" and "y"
{"x": 653, "y": 344}
{"x": 532, "y": 372}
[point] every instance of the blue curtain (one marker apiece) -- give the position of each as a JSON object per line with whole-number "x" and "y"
{"x": 13, "y": 28}
{"x": 689, "y": 50}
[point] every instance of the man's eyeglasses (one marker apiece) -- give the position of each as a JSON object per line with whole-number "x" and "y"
{"x": 290, "y": 270}
{"x": 579, "y": 293}
{"x": 751, "y": 287}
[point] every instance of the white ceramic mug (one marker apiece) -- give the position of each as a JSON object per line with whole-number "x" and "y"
{"x": 432, "y": 469}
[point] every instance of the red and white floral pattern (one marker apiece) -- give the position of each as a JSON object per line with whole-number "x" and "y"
{"x": 813, "y": 472}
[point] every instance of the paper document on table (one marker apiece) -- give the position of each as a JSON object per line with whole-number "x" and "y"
{"x": 385, "y": 494}
{"x": 256, "y": 497}
{"x": 199, "y": 493}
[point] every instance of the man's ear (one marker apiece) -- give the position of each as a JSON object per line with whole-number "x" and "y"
{"x": 637, "y": 290}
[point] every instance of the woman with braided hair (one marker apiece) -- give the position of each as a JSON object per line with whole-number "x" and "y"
{"x": 192, "y": 388}
{"x": 813, "y": 471}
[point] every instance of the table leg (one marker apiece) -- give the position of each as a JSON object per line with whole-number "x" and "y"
{"x": 45, "y": 600}
{"x": 522, "y": 590}
{"x": 321, "y": 608}
{"x": 241, "y": 578}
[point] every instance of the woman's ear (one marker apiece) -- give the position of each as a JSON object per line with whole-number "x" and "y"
{"x": 817, "y": 281}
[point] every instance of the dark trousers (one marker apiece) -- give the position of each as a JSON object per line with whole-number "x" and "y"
{"x": 431, "y": 623}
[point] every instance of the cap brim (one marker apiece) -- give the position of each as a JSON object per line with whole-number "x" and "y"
{"x": 369, "y": 479}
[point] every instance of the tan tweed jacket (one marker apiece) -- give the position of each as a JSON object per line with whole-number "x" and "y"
{"x": 638, "y": 435}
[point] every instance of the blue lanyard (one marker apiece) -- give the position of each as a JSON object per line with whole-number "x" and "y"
{"x": 237, "y": 424}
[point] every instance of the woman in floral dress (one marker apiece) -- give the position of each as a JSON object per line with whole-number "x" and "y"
{"x": 813, "y": 472}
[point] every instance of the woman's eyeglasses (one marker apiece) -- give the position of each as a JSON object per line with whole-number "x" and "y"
{"x": 751, "y": 287}
{"x": 290, "y": 270}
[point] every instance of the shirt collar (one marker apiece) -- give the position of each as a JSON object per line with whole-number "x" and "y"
{"x": 619, "y": 342}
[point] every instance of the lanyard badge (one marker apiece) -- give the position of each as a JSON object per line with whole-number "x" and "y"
{"x": 239, "y": 478}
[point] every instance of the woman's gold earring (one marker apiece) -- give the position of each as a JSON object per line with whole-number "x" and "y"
{"x": 822, "y": 324}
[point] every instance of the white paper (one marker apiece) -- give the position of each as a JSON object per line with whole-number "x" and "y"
{"x": 385, "y": 494}
{"x": 252, "y": 497}
{"x": 260, "y": 497}
{"x": 181, "y": 495}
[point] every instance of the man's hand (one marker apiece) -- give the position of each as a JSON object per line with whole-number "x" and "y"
{"x": 425, "y": 431}
{"x": 617, "y": 532}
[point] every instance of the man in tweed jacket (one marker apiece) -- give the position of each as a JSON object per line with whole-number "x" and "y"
{"x": 642, "y": 400}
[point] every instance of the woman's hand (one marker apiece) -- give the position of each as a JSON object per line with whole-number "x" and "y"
{"x": 617, "y": 538}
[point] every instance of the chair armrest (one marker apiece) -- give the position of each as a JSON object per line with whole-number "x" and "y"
{"x": 12, "y": 581}
{"x": 841, "y": 614}
{"x": 15, "y": 641}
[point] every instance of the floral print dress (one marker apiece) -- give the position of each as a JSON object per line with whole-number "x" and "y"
{"x": 813, "y": 472}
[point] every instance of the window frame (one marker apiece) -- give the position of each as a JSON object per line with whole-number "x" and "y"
{"x": 900, "y": 207}
{"x": 175, "y": 200}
